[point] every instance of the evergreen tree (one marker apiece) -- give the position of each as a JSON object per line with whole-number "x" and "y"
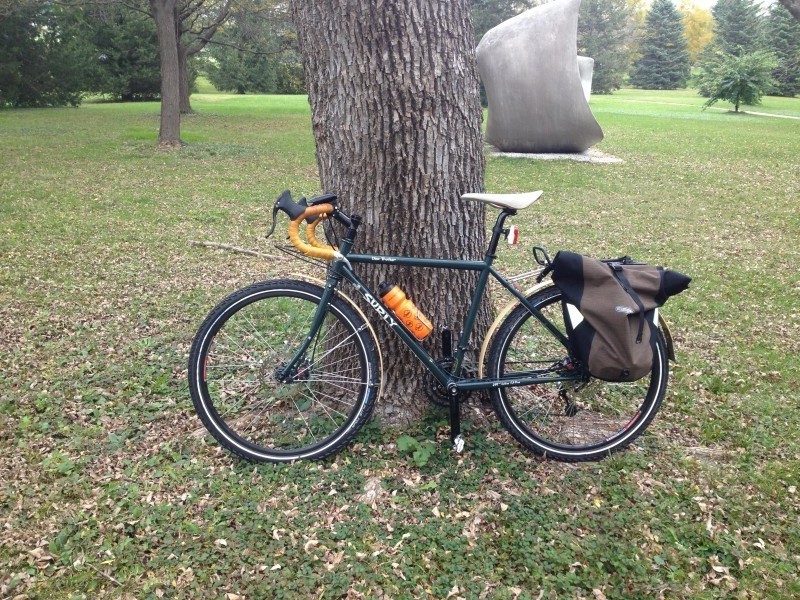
{"x": 255, "y": 52}
{"x": 603, "y": 34}
{"x": 664, "y": 61}
{"x": 490, "y": 13}
{"x": 737, "y": 26}
{"x": 127, "y": 66}
{"x": 45, "y": 57}
{"x": 783, "y": 33}
{"x": 738, "y": 31}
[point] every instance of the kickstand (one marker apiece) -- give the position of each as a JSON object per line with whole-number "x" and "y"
{"x": 455, "y": 397}
{"x": 455, "y": 423}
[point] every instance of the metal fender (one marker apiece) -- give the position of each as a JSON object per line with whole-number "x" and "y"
{"x": 346, "y": 298}
{"x": 662, "y": 325}
{"x": 499, "y": 321}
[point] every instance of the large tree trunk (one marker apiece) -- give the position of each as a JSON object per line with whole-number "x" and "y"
{"x": 793, "y": 6}
{"x": 164, "y": 14}
{"x": 396, "y": 114}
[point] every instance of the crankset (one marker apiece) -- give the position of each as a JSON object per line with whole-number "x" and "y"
{"x": 436, "y": 392}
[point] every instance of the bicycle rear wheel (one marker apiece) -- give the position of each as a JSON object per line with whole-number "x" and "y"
{"x": 573, "y": 420}
{"x": 254, "y": 333}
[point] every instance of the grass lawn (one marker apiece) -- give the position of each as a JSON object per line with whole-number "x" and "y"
{"x": 109, "y": 488}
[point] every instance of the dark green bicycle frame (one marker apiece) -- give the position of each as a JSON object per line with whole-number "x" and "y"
{"x": 341, "y": 268}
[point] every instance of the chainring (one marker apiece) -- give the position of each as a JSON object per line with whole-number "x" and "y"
{"x": 436, "y": 392}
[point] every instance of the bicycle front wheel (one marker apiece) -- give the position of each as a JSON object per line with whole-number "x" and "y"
{"x": 568, "y": 420}
{"x": 251, "y": 336}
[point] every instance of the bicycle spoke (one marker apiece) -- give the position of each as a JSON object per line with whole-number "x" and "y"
{"x": 328, "y": 392}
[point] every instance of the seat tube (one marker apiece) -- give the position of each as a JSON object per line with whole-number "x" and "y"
{"x": 480, "y": 288}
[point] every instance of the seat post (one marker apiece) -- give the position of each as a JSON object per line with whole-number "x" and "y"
{"x": 497, "y": 231}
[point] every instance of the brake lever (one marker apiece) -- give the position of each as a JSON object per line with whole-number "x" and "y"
{"x": 290, "y": 207}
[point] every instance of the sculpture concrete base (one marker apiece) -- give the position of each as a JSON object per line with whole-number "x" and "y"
{"x": 537, "y": 101}
{"x": 592, "y": 155}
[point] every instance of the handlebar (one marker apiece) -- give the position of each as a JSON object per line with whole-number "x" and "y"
{"x": 314, "y": 249}
{"x": 321, "y": 208}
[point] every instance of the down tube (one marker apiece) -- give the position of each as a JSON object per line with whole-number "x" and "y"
{"x": 396, "y": 326}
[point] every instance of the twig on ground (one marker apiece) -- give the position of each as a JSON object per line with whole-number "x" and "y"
{"x": 229, "y": 247}
{"x": 106, "y": 575}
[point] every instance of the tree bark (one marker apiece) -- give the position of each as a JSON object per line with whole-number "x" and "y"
{"x": 793, "y": 6}
{"x": 165, "y": 15}
{"x": 396, "y": 115}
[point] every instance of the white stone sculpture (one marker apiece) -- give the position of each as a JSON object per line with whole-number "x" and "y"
{"x": 537, "y": 88}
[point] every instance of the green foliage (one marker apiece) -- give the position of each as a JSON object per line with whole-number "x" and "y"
{"x": 45, "y": 58}
{"x": 487, "y": 14}
{"x": 739, "y": 79}
{"x": 738, "y": 27}
{"x": 128, "y": 67}
{"x": 664, "y": 61}
{"x": 603, "y": 34}
{"x": 420, "y": 451}
{"x": 255, "y": 52}
{"x": 783, "y": 33}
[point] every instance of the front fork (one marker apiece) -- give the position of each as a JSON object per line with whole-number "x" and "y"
{"x": 288, "y": 372}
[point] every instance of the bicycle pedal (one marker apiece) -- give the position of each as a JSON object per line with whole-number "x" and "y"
{"x": 458, "y": 444}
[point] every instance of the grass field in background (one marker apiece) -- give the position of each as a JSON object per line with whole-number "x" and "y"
{"x": 109, "y": 488}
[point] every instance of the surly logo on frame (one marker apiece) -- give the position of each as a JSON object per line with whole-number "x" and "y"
{"x": 380, "y": 309}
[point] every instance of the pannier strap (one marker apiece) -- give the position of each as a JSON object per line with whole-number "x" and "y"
{"x": 616, "y": 268}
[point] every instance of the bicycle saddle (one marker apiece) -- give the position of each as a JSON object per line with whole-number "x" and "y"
{"x": 509, "y": 201}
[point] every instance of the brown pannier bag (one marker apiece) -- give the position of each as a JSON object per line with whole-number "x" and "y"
{"x": 614, "y": 335}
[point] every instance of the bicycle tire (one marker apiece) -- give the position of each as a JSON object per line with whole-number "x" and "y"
{"x": 247, "y": 338}
{"x": 568, "y": 421}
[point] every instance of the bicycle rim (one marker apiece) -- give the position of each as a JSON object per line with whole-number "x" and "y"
{"x": 580, "y": 420}
{"x": 248, "y": 339}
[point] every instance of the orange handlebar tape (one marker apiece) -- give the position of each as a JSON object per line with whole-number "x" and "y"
{"x": 311, "y": 234}
{"x": 297, "y": 242}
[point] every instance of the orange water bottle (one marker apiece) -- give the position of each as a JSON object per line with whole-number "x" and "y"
{"x": 405, "y": 310}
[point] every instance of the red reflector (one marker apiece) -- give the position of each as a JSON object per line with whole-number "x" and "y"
{"x": 513, "y": 234}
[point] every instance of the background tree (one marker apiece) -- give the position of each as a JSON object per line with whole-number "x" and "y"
{"x": 637, "y": 17}
{"x": 165, "y": 15}
{"x": 127, "y": 66}
{"x": 783, "y": 33}
{"x": 698, "y": 26}
{"x": 45, "y": 55}
{"x": 393, "y": 89}
{"x": 603, "y": 34}
{"x": 738, "y": 30}
{"x": 197, "y": 22}
{"x": 490, "y": 13}
{"x": 793, "y": 6}
{"x": 664, "y": 61}
{"x": 256, "y": 52}
{"x": 737, "y": 26}
{"x": 741, "y": 79}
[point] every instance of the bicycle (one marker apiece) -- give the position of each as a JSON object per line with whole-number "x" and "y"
{"x": 284, "y": 370}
